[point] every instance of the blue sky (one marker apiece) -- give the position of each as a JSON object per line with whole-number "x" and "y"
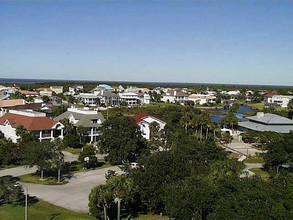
{"x": 231, "y": 42}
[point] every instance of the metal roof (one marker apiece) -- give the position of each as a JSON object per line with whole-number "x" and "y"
{"x": 271, "y": 119}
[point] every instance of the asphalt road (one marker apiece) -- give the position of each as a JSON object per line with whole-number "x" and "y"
{"x": 19, "y": 171}
{"x": 73, "y": 195}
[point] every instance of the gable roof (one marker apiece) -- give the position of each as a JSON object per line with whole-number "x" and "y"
{"x": 83, "y": 119}
{"x": 271, "y": 119}
{"x": 141, "y": 116}
{"x": 10, "y": 103}
{"x": 30, "y": 123}
{"x": 26, "y": 92}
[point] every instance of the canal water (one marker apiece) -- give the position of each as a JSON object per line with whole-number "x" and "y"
{"x": 239, "y": 114}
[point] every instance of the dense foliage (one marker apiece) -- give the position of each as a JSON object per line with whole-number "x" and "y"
{"x": 122, "y": 140}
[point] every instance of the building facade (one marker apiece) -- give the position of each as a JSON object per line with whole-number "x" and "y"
{"x": 41, "y": 126}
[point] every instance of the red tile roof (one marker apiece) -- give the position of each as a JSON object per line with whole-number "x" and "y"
{"x": 30, "y": 123}
{"x": 140, "y": 116}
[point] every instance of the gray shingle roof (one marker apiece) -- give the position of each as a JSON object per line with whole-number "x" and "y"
{"x": 84, "y": 120}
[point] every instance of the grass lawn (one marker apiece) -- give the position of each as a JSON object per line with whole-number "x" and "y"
{"x": 40, "y": 210}
{"x": 33, "y": 178}
{"x": 75, "y": 151}
{"x": 254, "y": 160}
{"x": 256, "y": 105}
{"x": 260, "y": 172}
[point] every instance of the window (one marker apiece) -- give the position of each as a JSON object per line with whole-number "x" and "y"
{"x": 94, "y": 121}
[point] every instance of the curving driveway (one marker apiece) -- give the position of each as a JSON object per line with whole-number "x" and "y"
{"x": 247, "y": 172}
{"x": 73, "y": 195}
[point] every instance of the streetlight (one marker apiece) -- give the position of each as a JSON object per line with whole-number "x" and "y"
{"x": 26, "y": 203}
{"x": 26, "y": 200}
{"x": 282, "y": 165}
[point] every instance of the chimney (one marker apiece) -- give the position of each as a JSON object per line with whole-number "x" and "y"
{"x": 260, "y": 114}
{"x": 175, "y": 93}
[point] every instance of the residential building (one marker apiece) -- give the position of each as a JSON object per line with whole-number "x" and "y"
{"x": 122, "y": 88}
{"x": 202, "y": 99}
{"x": 57, "y": 89}
{"x": 90, "y": 119}
{"x": 144, "y": 98}
{"x": 87, "y": 98}
{"x": 280, "y": 100}
{"x": 73, "y": 89}
{"x": 28, "y": 93}
{"x": 144, "y": 120}
{"x": 6, "y": 104}
{"x": 173, "y": 96}
{"x": 130, "y": 98}
{"x": 45, "y": 91}
{"x": 56, "y": 100}
{"x": 266, "y": 122}
{"x": 38, "y": 99}
{"x": 108, "y": 98}
{"x": 40, "y": 125}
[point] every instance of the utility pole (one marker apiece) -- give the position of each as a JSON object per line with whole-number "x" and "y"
{"x": 26, "y": 204}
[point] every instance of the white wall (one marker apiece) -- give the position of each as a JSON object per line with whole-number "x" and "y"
{"x": 9, "y": 132}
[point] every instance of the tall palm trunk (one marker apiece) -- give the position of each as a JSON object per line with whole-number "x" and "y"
{"x": 118, "y": 208}
{"x": 207, "y": 133}
{"x": 105, "y": 212}
{"x": 200, "y": 132}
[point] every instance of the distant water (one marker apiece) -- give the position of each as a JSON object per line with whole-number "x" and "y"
{"x": 242, "y": 109}
{"x": 31, "y": 81}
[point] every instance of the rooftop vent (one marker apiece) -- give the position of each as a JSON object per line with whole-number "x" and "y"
{"x": 260, "y": 114}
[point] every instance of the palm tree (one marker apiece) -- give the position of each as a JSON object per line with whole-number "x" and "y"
{"x": 119, "y": 187}
{"x": 185, "y": 120}
{"x": 195, "y": 123}
{"x": 80, "y": 131}
{"x": 68, "y": 127}
{"x": 20, "y": 130}
{"x": 102, "y": 195}
{"x": 58, "y": 156}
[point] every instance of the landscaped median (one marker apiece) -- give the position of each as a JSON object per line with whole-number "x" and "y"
{"x": 260, "y": 172}
{"x": 34, "y": 178}
{"x": 51, "y": 180}
{"x": 254, "y": 160}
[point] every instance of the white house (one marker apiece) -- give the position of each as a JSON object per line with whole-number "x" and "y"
{"x": 43, "y": 127}
{"x": 130, "y": 98}
{"x": 57, "y": 89}
{"x": 87, "y": 98}
{"x": 73, "y": 89}
{"x": 233, "y": 92}
{"x": 202, "y": 98}
{"x": 173, "y": 96}
{"x": 280, "y": 100}
{"x": 144, "y": 120}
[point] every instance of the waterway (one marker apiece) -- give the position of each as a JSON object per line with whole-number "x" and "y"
{"x": 239, "y": 114}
